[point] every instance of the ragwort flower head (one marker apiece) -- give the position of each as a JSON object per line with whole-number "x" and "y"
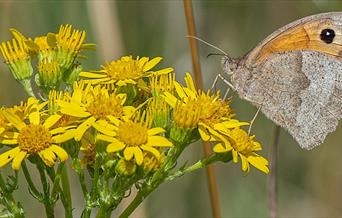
{"x": 94, "y": 107}
{"x": 244, "y": 146}
{"x": 17, "y": 58}
{"x": 134, "y": 137}
{"x": 213, "y": 111}
{"x": 125, "y": 71}
{"x": 34, "y": 136}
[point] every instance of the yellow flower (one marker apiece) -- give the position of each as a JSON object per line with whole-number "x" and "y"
{"x": 69, "y": 44}
{"x": 17, "y": 58}
{"x": 212, "y": 112}
{"x": 151, "y": 163}
{"x": 162, "y": 83}
{"x": 135, "y": 137}
{"x": 243, "y": 146}
{"x": 50, "y": 75}
{"x": 125, "y": 167}
{"x": 160, "y": 112}
{"x": 125, "y": 71}
{"x": 94, "y": 106}
{"x": 34, "y": 137}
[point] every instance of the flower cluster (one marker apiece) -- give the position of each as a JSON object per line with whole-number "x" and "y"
{"x": 125, "y": 124}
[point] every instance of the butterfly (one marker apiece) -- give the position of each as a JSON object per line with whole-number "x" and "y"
{"x": 295, "y": 77}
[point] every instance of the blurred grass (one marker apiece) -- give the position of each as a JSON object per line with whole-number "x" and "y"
{"x": 310, "y": 181}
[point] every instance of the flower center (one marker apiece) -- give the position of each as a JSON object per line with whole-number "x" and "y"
{"x": 102, "y": 106}
{"x": 125, "y": 68}
{"x": 187, "y": 115}
{"x": 243, "y": 143}
{"x": 132, "y": 134}
{"x": 34, "y": 138}
{"x": 212, "y": 109}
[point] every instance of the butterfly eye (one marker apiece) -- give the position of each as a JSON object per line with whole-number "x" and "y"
{"x": 327, "y": 35}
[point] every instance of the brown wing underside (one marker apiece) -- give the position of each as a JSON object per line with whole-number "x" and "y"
{"x": 304, "y": 37}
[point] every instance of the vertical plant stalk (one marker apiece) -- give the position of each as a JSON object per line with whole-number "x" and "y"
{"x": 272, "y": 186}
{"x": 212, "y": 184}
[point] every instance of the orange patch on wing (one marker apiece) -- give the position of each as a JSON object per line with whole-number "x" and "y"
{"x": 304, "y": 36}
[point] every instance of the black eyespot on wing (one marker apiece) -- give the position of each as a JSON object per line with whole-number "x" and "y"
{"x": 327, "y": 35}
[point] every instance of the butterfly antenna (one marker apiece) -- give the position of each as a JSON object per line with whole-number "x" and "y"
{"x": 207, "y": 43}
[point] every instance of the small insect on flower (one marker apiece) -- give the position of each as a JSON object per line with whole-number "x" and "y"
{"x": 34, "y": 136}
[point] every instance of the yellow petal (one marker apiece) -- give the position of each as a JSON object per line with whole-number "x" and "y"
{"x": 106, "y": 138}
{"x": 128, "y": 153}
{"x": 220, "y": 148}
{"x": 60, "y": 152}
{"x": 142, "y": 61}
{"x": 2, "y": 129}
{"x": 69, "y": 134}
{"x": 83, "y": 127}
{"x": 170, "y": 99}
{"x": 93, "y": 75}
{"x": 60, "y": 130}
{"x": 51, "y": 120}
{"x": 48, "y": 157}
{"x": 6, "y": 157}
{"x": 14, "y": 119}
{"x": 259, "y": 162}
{"x": 34, "y": 115}
{"x": 163, "y": 71}
{"x": 180, "y": 91}
{"x": 8, "y": 141}
{"x": 235, "y": 156}
{"x": 115, "y": 146}
{"x": 158, "y": 141}
{"x": 114, "y": 120}
{"x": 154, "y": 151}
{"x": 189, "y": 82}
{"x": 75, "y": 111}
{"x": 152, "y": 63}
{"x": 103, "y": 129}
{"x": 16, "y": 163}
{"x": 230, "y": 124}
{"x": 138, "y": 155}
{"x": 155, "y": 131}
{"x": 203, "y": 133}
{"x": 244, "y": 163}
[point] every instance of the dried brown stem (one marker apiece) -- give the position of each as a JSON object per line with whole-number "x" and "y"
{"x": 272, "y": 186}
{"x": 214, "y": 198}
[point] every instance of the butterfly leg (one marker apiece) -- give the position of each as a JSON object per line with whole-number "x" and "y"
{"x": 252, "y": 121}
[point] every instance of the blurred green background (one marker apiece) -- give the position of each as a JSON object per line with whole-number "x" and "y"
{"x": 310, "y": 182}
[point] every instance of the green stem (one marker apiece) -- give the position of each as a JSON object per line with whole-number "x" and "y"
{"x": 158, "y": 178}
{"x": 55, "y": 187}
{"x": 141, "y": 195}
{"x": 104, "y": 212}
{"x": 199, "y": 165}
{"x": 32, "y": 188}
{"x": 66, "y": 192}
{"x": 26, "y": 83}
{"x": 90, "y": 201}
{"x": 48, "y": 202}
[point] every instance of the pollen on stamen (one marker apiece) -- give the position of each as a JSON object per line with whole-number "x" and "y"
{"x": 102, "y": 106}
{"x": 34, "y": 138}
{"x": 132, "y": 134}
